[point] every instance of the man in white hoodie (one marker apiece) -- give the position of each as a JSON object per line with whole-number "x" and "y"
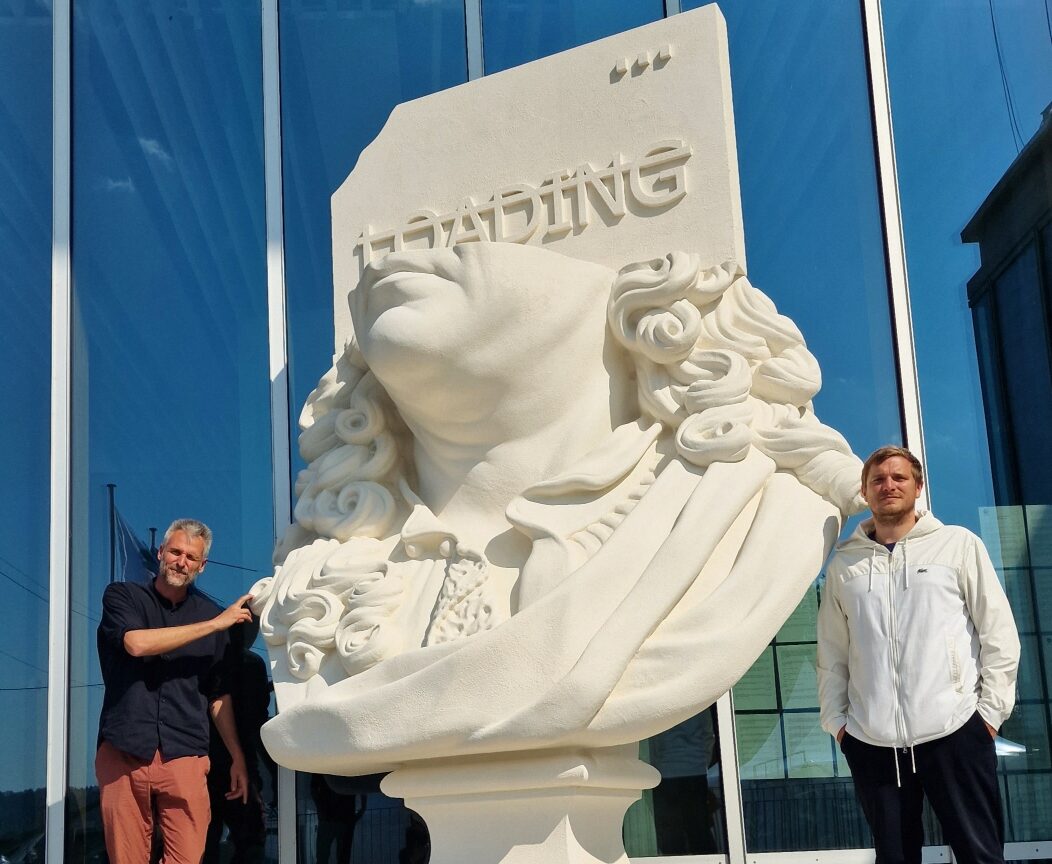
{"x": 917, "y": 658}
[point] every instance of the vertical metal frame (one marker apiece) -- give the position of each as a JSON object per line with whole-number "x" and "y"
{"x": 673, "y": 7}
{"x": 473, "y": 32}
{"x": 894, "y": 240}
{"x": 732, "y": 789}
{"x": 59, "y": 531}
{"x": 277, "y": 336}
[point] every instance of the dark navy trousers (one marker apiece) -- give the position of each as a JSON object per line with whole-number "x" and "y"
{"x": 957, "y": 773}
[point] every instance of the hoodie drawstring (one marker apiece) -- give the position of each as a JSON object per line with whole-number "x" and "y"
{"x": 913, "y": 763}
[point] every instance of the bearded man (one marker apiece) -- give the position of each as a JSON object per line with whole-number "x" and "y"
{"x": 917, "y": 659}
{"x": 161, "y": 647}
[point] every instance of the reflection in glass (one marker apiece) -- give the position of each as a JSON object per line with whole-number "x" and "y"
{"x": 815, "y": 242}
{"x": 970, "y": 84}
{"x": 25, "y": 348}
{"x": 170, "y": 381}
{"x": 1022, "y": 348}
{"x": 795, "y": 784}
{"x": 813, "y": 229}
{"x": 347, "y": 820}
{"x": 947, "y": 69}
{"x": 343, "y": 70}
{"x": 684, "y": 813}
{"x": 518, "y": 32}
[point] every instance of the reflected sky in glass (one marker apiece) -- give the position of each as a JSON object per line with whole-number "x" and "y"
{"x": 814, "y": 242}
{"x": 343, "y": 70}
{"x": 170, "y": 369}
{"x": 517, "y": 31}
{"x": 954, "y": 138}
{"x": 25, "y": 363}
{"x": 809, "y": 199}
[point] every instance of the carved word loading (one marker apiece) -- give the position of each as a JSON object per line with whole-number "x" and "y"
{"x": 562, "y": 202}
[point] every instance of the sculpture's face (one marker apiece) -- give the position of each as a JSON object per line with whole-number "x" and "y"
{"x": 480, "y": 310}
{"x": 407, "y": 290}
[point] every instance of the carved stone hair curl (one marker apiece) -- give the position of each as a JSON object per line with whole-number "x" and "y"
{"x": 716, "y": 363}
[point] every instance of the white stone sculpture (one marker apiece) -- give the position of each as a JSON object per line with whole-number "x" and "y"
{"x": 556, "y": 502}
{"x": 547, "y": 506}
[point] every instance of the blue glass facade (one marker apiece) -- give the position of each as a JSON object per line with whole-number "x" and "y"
{"x": 171, "y": 399}
{"x": 171, "y": 385}
{"x": 25, "y": 374}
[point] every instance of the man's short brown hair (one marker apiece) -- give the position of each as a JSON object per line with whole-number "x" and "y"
{"x": 885, "y": 453}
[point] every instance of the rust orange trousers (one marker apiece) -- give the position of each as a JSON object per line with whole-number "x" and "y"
{"x": 130, "y": 789}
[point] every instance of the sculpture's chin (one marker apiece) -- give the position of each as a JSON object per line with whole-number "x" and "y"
{"x": 663, "y": 619}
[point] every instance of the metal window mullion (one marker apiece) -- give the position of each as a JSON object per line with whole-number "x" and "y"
{"x": 281, "y": 464}
{"x": 59, "y": 529}
{"x": 894, "y": 240}
{"x": 473, "y": 33}
{"x": 673, "y": 7}
{"x": 732, "y": 792}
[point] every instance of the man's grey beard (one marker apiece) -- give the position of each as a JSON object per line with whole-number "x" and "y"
{"x": 176, "y": 583}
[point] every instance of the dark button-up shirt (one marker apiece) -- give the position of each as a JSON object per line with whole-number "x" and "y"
{"x": 160, "y": 702}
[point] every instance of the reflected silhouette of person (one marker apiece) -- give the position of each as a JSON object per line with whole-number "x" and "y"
{"x": 250, "y": 689}
{"x": 682, "y": 811}
{"x": 338, "y": 815}
{"x": 417, "y": 848}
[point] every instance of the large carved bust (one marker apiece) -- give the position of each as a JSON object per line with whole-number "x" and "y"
{"x": 546, "y": 504}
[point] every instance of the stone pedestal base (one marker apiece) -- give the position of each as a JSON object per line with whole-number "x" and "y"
{"x": 540, "y": 807}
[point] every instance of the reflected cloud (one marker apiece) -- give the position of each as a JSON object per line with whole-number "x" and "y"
{"x": 112, "y": 185}
{"x": 152, "y": 148}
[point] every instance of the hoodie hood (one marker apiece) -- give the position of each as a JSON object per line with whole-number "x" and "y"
{"x": 859, "y": 538}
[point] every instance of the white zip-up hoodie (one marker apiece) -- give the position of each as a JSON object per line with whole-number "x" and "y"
{"x": 911, "y": 642}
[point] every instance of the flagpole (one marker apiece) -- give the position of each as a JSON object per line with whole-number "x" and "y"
{"x": 112, "y": 488}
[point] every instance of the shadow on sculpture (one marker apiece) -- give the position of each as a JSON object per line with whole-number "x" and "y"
{"x": 548, "y": 508}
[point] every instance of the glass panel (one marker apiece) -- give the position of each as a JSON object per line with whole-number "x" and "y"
{"x": 1027, "y": 377}
{"x": 969, "y": 82}
{"x": 684, "y": 813}
{"x": 1028, "y": 801}
{"x": 785, "y": 758}
{"x": 342, "y": 71}
{"x": 171, "y": 388}
{"x": 343, "y": 68}
{"x": 345, "y": 819}
{"x": 517, "y": 31}
{"x": 1043, "y": 590}
{"x": 809, "y": 200}
{"x": 25, "y": 374}
{"x": 945, "y": 68}
{"x": 985, "y": 323}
